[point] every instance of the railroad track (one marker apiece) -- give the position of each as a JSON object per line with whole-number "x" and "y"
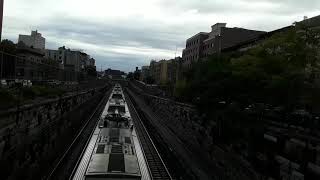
{"x": 60, "y": 170}
{"x": 155, "y": 163}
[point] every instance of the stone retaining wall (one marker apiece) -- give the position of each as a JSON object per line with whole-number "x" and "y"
{"x": 32, "y": 136}
{"x": 195, "y": 132}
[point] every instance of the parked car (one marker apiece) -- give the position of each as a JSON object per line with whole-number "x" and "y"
{"x": 18, "y": 82}
{"x": 25, "y": 83}
{"x": 29, "y": 83}
{"x": 11, "y": 83}
{"x": 3, "y": 83}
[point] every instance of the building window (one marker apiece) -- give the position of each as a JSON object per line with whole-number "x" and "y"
{"x": 20, "y": 72}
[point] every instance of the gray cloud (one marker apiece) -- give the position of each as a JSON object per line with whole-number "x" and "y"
{"x": 280, "y": 7}
{"x": 123, "y": 39}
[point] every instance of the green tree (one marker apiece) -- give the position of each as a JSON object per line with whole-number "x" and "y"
{"x": 273, "y": 72}
{"x": 8, "y": 46}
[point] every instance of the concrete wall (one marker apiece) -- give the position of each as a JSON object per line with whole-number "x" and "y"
{"x": 31, "y": 134}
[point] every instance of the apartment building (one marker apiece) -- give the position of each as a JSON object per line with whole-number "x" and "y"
{"x": 164, "y": 71}
{"x": 35, "y": 40}
{"x": 204, "y": 44}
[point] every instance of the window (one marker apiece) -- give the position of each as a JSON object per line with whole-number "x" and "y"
{"x": 20, "y": 72}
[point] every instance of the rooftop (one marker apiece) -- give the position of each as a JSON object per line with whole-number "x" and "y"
{"x": 200, "y": 33}
{"x": 114, "y": 155}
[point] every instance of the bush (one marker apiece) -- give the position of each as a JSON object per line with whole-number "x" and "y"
{"x": 6, "y": 99}
{"x": 40, "y": 91}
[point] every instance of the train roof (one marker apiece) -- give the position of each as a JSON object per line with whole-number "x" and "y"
{"x": 117, "y": 102}
{"x": 114, "y": 155}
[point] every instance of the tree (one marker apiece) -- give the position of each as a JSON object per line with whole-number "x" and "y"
{"x": 8, "y": 46}
{"x": 149, "y": 80}
{"x": 136, "y": 75}
{"x": 130, "y": 76}
{"x": 272, "y": 72}
{"x": 91, "y": 71}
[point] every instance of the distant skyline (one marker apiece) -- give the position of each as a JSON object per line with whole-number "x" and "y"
{"x": 123, "y": 34}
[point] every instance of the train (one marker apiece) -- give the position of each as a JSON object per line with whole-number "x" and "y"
{"x": 114, "y": 150}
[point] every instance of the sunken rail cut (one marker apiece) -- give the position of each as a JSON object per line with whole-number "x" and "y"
{"x": 157, "y": 167}
{"x": 114, "y": 150}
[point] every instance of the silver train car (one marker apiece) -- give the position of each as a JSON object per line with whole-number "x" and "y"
{"x": 114, "y": 151}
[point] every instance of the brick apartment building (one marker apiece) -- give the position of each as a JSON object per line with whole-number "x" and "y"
{"x": 221, "y": 37}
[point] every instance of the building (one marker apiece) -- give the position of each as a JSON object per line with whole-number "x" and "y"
{"x": 313, "y": 23}
{"x": 91, "y": 62}
{"x": 75, "y": 60}
{"x": 30, "y": 65}
{"x": 1, "y": 17}
{"x": 35, "y": 40}
{"x": 76, "y": 64}
{"x": 204, "y": 44}
{"x": 165, "y": 71}
{"x": 114, "y": 74}
{"x": 56, "y": 55}
{"x": 179, "y": 69}
{"x": 158, "y": 71}
{"x": 172, "y": 70}
{"x": 137, "y": 74}
{"x": 227, "y": 37}
{"x": 84, "y": 61}
{"x": 193, "y": 51}
{"x": 145, "y": 73}
{"x": 53, "y": 54}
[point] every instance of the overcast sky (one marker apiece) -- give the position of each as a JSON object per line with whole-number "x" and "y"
{"x": 122, "y": 34}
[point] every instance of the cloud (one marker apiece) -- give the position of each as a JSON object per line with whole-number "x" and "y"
{"x": 125, "y": 33}
{"x": 281, "y": 7}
